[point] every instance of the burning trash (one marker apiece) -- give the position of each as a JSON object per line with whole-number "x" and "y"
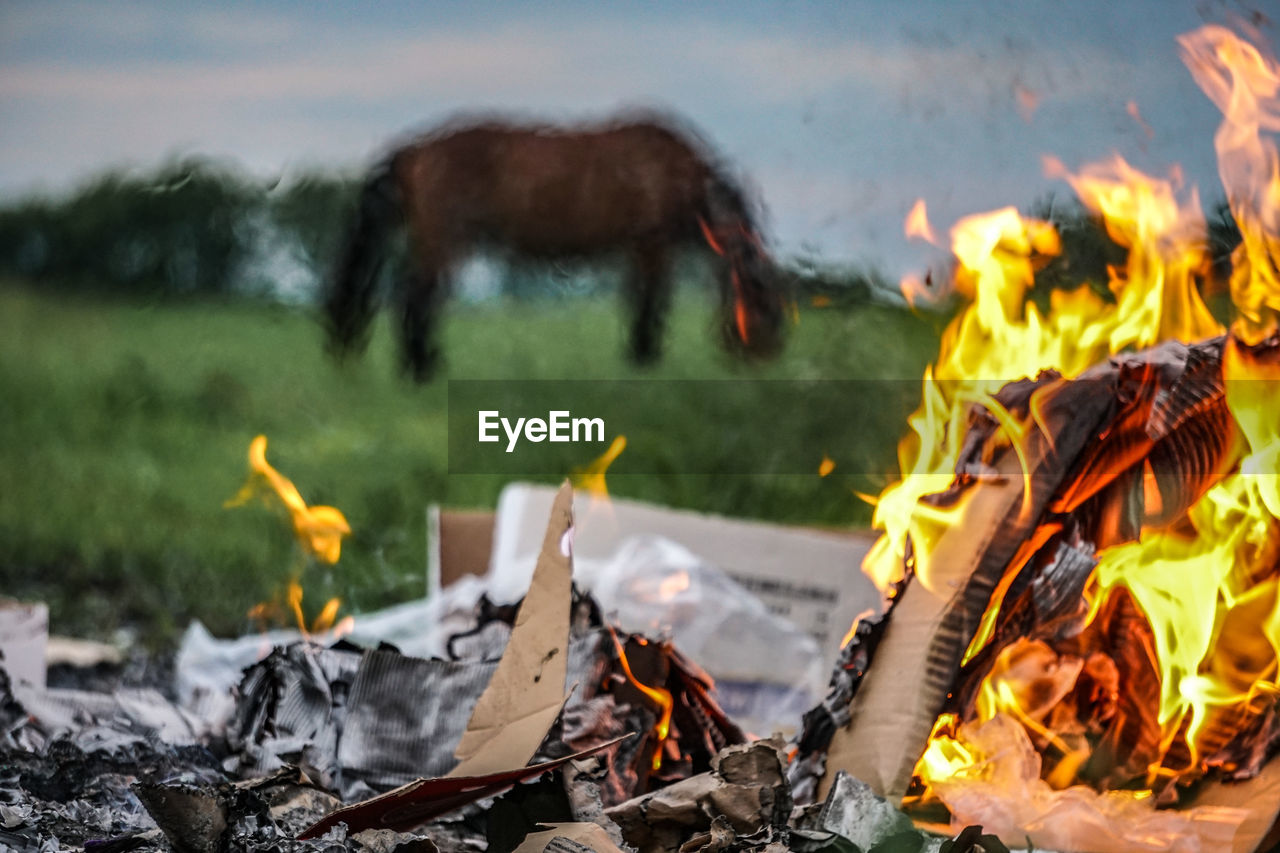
{"x": 1080, "y": 570}
{"x": 1078, "y": 643}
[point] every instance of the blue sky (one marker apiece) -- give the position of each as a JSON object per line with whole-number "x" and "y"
{"x": 840, "y": 113}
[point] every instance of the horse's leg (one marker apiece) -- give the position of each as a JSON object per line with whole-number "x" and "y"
{"x": 650, "y": 292}
{"x": 422, "y": 295}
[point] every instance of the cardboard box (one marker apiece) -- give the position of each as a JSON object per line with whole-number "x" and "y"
{"x": 811, "y": 577}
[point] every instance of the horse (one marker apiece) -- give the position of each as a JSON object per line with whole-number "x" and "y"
{"x": 638, "y": 184}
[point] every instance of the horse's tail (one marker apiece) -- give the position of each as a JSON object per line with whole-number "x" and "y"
{"x": 351, "y": 301}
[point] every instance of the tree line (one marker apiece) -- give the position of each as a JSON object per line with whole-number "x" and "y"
{"x": 198, "y": 226}
{"x": 189, "y": 226}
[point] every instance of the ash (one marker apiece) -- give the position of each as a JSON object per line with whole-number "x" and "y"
{"x": 109, "y": 762}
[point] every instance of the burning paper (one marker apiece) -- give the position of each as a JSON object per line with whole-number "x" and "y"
{"x": 1089, "y": 554}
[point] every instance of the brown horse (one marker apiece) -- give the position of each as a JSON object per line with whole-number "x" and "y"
{"x": 637, "y": 185}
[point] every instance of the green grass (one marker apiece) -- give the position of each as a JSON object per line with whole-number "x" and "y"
{"x": 124, "y": 426}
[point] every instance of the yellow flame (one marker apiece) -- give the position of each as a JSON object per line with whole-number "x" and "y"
{"x": 286, "y": 608}
{"x": 591, "y": 477}
{"x": 324, "y": 622}
{"x": 1001, "y": 336}
{"x": 1210, "y": 597}
{"x": 318, "y": 529}
{"x": 826, "y": 466}
{"x": 1209, "y": 588}
{"x": 946, "y": 756}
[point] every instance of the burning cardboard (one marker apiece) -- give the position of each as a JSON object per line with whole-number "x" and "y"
{"x": 524, "y": 695}
{"x": 1089, "y": 555}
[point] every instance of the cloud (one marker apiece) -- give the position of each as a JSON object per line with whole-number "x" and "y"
{"x": 838, "y": 124}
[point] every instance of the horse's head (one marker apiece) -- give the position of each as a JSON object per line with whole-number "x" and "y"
{"x": 752, "y": 295}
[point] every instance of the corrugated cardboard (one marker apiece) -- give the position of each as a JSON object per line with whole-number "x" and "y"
{"x": 460, "y": 543}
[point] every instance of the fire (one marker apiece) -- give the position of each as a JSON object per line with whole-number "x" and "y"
{"x": 1208, "y": 586}
{"x": 317, "y": 529}
{"x": 1001, "y": 335}
{"x": 591, "y": 477}
{"x": 662, "y": 698}
{"x": 324, "y": 627}
{"x": 1244, "y": 83}
{"x": 826, "y": 466}
{"x": 1211, "y": 597}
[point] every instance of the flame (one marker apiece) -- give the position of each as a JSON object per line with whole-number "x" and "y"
{"x": 1001, "y": 335}
{"x": 662, "y": 698}
{"x": 325, "y": 624}
{"x": 853, "y": 626}
{"x": 318, "y": 529}
{"x": 591, "y": 477}
{"x": 826, "y": 466}
{"x": 917, "y": 224}
{"x": 325, "y": 627}
{"x": 1211, "y": 596}
{"x": 741, "y": 319}
{"x": 1244, "y": 83}
{"x": 1208, "y": 587}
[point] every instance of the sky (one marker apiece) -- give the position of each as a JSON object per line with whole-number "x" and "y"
{"x": 837, "y": 114}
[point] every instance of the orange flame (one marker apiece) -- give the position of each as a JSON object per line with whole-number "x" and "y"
{"x": 917, "y": 223}
{"x": 325, "y": 627}
{"x": 661, "y": 697}
{"x": 324, "y": 623}
{"x": 318, "y": 529}
{"x": 826, "y": 466}
{"x": 740, "y": 318}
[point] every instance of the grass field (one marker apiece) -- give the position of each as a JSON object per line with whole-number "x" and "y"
{"x": 124, "y": 427}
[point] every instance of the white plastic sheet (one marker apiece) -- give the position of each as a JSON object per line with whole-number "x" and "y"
{"x": 1005, "y": 794}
